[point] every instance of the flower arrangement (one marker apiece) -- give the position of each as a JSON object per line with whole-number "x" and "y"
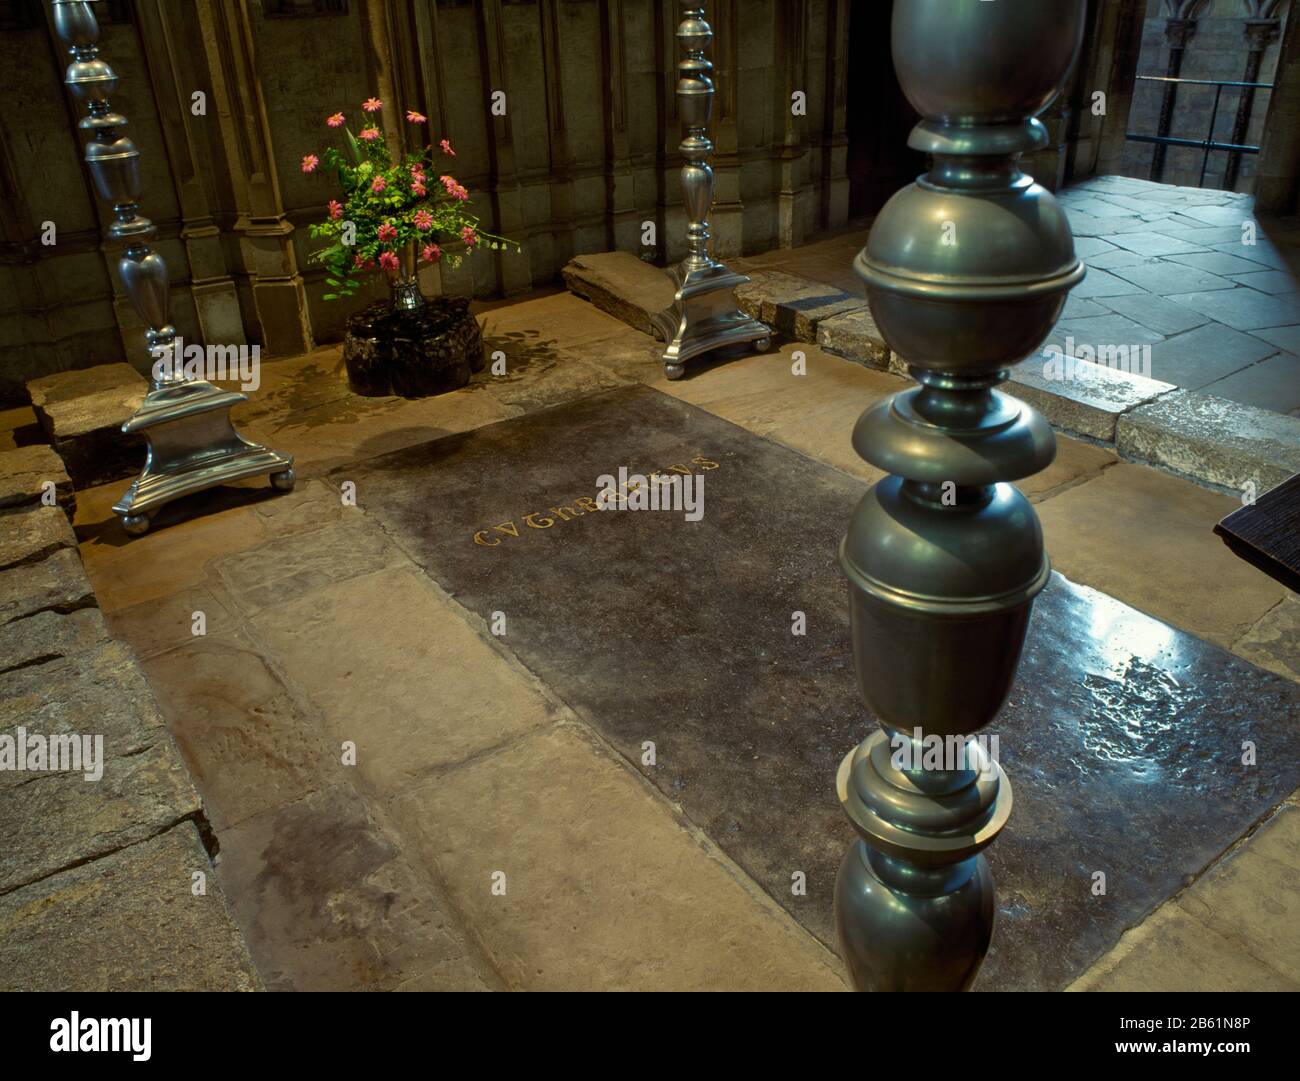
{"x": 392, "y": 212}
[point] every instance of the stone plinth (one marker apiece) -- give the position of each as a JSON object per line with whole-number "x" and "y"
{"x": 56, "y": 819}
{"x": 82, "y": 413}
{"x": 32, "y": 476}
{"x": 128, "y": 922}
{"x": 32, "y": 534}
{"x": 853, "y": 334}
{"x": 1213, "y": 440}
{"x": 793, "y": 306}
{"x": 1123, "y": 734}
{"x": 619, "y": 283}
{"x": 413, "y": 354}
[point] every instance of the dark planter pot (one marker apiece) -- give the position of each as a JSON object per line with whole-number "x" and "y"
{"x": 412, "y": 354}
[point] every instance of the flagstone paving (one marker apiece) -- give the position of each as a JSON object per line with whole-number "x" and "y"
{"x": 381, "y": 874}
{"x": 1165, "y": 261}
{"x": 370, "y": 754}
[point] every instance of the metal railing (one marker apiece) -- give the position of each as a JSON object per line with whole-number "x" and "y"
{"x": 1209, "y": 143}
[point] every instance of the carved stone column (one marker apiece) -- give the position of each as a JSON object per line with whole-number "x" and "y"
{"x": 192, "y": 443}
{"x": 966, "y": 271}
{"x": 704, "y": 315}
{"x": 1179, "y": 28}
{"x": 1261, "y": 30}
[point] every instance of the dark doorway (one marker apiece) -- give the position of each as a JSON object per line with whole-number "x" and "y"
{"x": 878, "y": 117}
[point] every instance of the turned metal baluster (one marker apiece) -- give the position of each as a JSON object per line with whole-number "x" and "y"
{"x": 966, "y": 271}
{"x": 703, "y": 315}
{"x": 192, "y": 443}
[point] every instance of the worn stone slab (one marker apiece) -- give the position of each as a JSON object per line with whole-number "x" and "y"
{"x": 1172, "y": 952}
{"x": 1243, "y": 308}
{"x": 619, "y": 283}
{"x": 53, "y": 820}
{"x": 1213, "y": 440}
{"x": 249, "y": 744}
{"x": 372, "y": 687}
{"x": 29, "y": 474}
{"x": 1205, "y": 354}
{"x": 32, "y": 534}
{"x": 1253, "y": 895}
{"x": 1090, "y": 402}
{"x": 636, "y": 903}
{"x": 1146, "y": 538}
{"x": 172, "y": 621}
{"x": 1272, "y": 384}
{"x": 49, "y": 635}
{"x": 57, "y": 583}
{"x": 1233, "y": 930}
{"x": 791, "y": 305}
{"x": 285, "y": 569}
{"x": 128, "y": 922}
{"x": 328, "y": 902}
{"x": 854, "y": 334}
{"x": 1122, "y": 737}
{"x": 82, "y": 413}
{"x": 1274, "y": 642}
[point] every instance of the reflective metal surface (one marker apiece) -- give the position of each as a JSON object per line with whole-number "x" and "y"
{"x": 192, "y": 443}
{"x": 966, "y": 272}
{"x": 703, "y": 315}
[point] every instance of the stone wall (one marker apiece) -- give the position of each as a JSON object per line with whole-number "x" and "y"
{"x": 1217, "y": 49}
{"x": 585, "y": 154}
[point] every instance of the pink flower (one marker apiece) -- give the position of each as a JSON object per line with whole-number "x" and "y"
{"x": 414, "y": 117}
{"x": 454, "y": 188}
{"x": 309, "y": 163}
{"x": 423, "y": 219}
{"x": 336, "y": 209}
{"x": 387, "y": 231}
{"x": 335, "y": 121}
{"x": 362, "y": 262}
{"x": 378, "y": 184}
{"x": 419, "y": 189}
{"x": 372, "y": 105}
{"x": 446, "y": 148}
{"x": 431, "y": 253}
{"x": 469, "y": 236}
{"x": 388, "y": 260}
{"x": 368, "y": 135}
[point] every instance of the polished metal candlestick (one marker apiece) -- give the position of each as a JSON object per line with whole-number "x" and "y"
{"x": 966, "y": 272}
{"x": 192, "y": 443}
{"x": 703, "y": 315}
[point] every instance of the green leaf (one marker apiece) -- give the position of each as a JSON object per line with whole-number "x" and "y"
{"x": 352, "y": 145}
{"x": 330, "y": 296}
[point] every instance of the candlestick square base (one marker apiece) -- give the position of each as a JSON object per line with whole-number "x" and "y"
{"x": 704, "y": 316}
{"x": 193, "y": 445}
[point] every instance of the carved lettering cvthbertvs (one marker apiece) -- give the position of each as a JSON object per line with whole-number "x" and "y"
{"x": 575, "y": 508}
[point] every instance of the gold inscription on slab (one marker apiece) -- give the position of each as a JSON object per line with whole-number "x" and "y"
{"x": 575, "y": 508}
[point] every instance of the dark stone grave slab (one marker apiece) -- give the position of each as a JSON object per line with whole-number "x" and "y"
{"x": 1122, "y": 738}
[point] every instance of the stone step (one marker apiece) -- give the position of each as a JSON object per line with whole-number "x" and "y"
{"x": 619, "y": 283}
{"x": 1211, "y": 440}
{"x": 99, "y": 849}
{"x": 82, "y": 413}
{"x": 35, "y": 476}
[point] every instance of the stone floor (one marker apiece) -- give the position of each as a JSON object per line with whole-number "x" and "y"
{"x": 1167, "y": 267}
{"x": 402, "y": 804}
